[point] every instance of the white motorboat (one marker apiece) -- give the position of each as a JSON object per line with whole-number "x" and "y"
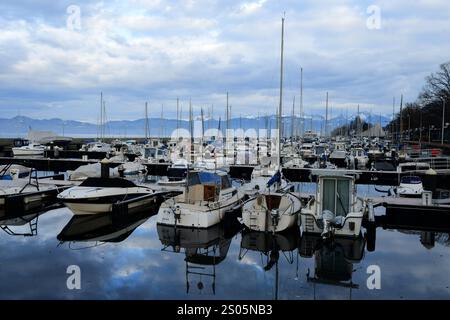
{"x": 33, "y": 149}
{"x": 206, "y": 199}
{"x": 97, "y": 195}
{"x": 335, "y": 209}
{"x": 358, "y": 159}
{"x": 410, "y": 186}
{"x": 176, "y": 174}
{"x": 99, "y": 147}
{"x": 14, "y": 171}
{"x": 339, "y": 155}
{"x": 155, "y": 155}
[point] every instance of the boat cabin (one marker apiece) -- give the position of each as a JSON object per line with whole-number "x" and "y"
{"x": 206, "y": 186}
{"x": 335, "y": 193}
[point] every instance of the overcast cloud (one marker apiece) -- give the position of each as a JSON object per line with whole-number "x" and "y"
{"x": 154, "y": 50}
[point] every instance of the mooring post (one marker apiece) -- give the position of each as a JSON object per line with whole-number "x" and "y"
{"x": 105, "y": 168}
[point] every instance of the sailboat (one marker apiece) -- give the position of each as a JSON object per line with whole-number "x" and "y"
{"x": 273, "y": 211}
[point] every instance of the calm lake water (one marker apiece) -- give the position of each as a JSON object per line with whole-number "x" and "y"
{"x": 134, "y": 258}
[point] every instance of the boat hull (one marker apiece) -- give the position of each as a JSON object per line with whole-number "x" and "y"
{"x": 351, "y": 226}
{"x": 195, "y": 216}
{"x": 257, "y": 217}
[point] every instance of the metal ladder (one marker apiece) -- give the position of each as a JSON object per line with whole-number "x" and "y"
{"x": 309, "y": 224}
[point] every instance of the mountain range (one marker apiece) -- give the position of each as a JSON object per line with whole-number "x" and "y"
{"x": 19, "y": 125}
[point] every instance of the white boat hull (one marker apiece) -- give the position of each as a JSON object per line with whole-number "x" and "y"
{"x": 351, "y": 227}
{"x": 27, "y": 152}
{"x": 194, "y": 215}
{"x": 257, "y": 217}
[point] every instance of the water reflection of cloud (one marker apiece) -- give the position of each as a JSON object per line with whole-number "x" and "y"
{"x": 137, "y": 269}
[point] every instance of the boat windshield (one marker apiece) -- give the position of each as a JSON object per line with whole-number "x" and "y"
{"x": 411, "y": 180}
{"x": 150, "y": 152}
{"x": 107, "y": 183}
{"x": 204, "y": 178}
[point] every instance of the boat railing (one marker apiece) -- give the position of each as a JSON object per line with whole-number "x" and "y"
{"x": 440, "y": 163}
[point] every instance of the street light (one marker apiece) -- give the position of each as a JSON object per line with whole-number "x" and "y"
{"x": 443, "y": 120}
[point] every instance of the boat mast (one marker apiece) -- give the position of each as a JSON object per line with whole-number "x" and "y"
{"x": 302, "y": 120}
{"x": 326, "y": 118}
{"x": 203, "y": 132}
{"x": 101, "y": 115}
{"x": 280, "y": 107}
{"x": 292, "y": 122}
{"x": 191, "y": 129}
{"x": 401, "y": 119}
{"x": 146, "y": 122}
{"x": 178, "y": 116}
{"x": 104, "y": 120}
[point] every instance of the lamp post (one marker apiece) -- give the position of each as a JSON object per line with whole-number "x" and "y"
{"x": 443, "y": 121}
{"x": 429, "y": 133}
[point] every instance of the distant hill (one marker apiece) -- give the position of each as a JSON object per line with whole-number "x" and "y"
{"x": 19, "y": 125}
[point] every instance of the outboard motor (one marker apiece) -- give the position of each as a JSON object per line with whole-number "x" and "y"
{"x": 328, "y": 224}
{"x": 274, "y": 214}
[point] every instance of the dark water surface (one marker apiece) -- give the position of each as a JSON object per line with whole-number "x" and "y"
{"x": 141, "y": 260}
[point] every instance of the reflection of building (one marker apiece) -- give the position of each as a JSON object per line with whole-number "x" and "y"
{"x": 204, "y": 249}
{"x": 271, "y": 246}
{"x": 101, "y": 228}
{"x": 333, "y": 262}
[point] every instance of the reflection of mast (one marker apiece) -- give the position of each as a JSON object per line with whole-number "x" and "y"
{"x": 270, "y": 245}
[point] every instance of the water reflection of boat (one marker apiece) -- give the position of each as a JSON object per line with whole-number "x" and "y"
{"x": 270, "y": 245}
{"x": 333, "y": 261}
{"x": 102, "y": 227}
{"x": 203, "y": 249}
{"x": 15, "y": 223}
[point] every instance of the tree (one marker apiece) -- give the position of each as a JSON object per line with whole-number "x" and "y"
{"x": 437, "y": 86}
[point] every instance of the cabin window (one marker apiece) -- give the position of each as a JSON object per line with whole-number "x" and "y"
{"x": 150, "y": 153}
{"x": 225, "y": 182}
{"x": 342, "y": 195}
{"x": 329, "y": 191}
{"x": 336, "y": 196}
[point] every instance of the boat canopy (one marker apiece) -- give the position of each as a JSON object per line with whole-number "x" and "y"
{"x": 208, "y": 178}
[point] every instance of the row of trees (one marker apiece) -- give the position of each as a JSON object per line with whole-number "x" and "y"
{"x": 355, "y": 127}
{"x": 422, "y": 119}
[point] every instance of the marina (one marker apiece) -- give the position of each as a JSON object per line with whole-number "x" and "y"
{"x": 225, "y": 156}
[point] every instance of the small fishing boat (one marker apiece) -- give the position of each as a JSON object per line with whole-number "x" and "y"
{"x": 335, "y": 209}
{"x": 410, "y": 186}
{"x": 97, "y": 195}
{"x": 206, "y": 199}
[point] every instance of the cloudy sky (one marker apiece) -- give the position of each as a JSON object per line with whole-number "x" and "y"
{"x": 53, "y": 64}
